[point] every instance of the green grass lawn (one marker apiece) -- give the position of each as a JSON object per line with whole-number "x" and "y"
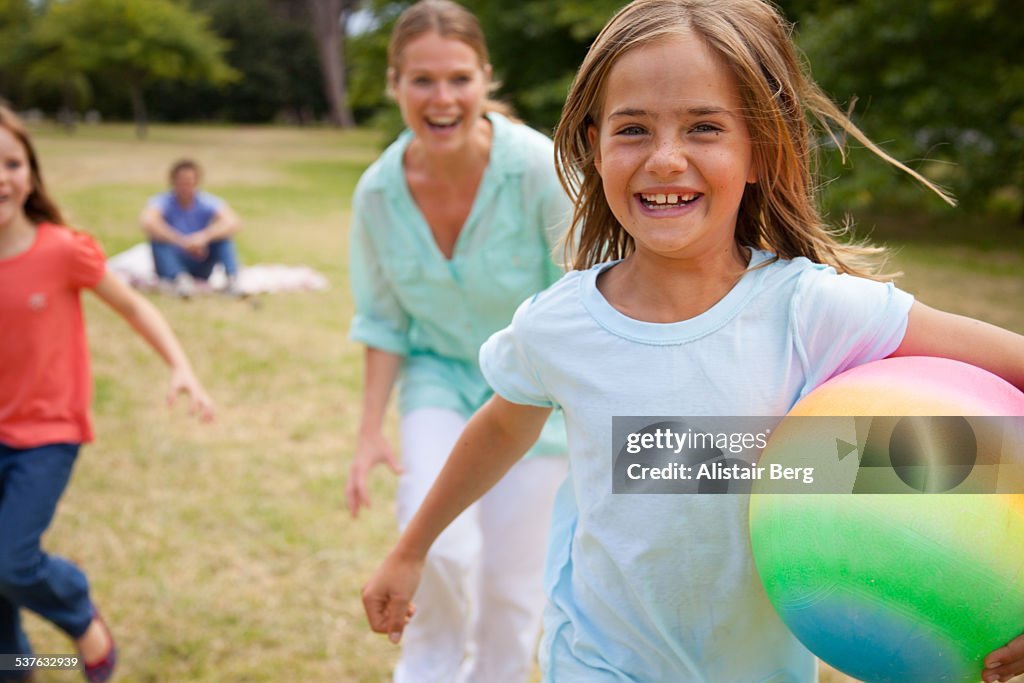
{"x": 223, "y": 552}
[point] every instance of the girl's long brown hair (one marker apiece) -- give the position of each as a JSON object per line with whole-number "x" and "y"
{"x": 39, "y": 207}
{"x": 783, "y": 108}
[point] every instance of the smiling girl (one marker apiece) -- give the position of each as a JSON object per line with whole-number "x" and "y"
{"x": 706, "y": 284}
{"x": 45, "y": 392}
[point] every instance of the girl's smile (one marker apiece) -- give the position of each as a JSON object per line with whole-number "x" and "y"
{"x": 667, "y": 202}
{"x": 672, "y": 148}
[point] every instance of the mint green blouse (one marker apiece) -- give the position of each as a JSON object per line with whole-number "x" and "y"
{"x": 437, "y": 312}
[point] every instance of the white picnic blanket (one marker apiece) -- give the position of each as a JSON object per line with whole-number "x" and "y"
{"x": 135, "y": 267}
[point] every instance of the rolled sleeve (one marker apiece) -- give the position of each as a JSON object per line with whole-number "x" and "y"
{"x": 380, "y": 321}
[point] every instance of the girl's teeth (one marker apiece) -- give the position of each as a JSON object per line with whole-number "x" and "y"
{"x": 665, "y": 200}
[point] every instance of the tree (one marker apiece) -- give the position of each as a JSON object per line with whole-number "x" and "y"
{"x": 272, "y": 48}
{"x": 16, "y": 19}
{"x": 134, "y": 43}
{"x": 328, "y": 18}
{"x": 942, "y": 80}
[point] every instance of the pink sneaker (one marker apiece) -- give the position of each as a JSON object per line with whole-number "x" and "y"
{"x": 101, "y": 670}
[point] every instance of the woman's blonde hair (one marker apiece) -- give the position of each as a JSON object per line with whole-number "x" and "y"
{"x": 39, "y": 206}
{"x": 449, "y": 20}
{"x": 782, "y": 107}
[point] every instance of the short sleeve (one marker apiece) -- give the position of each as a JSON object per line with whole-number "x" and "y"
{"x": 158, "y": 202}
{"x": 380, "y": 320}
{"x": 842, "y": 321}
{"x": 212, "y": 202}
{"x": 505, "y": 363}
{"x": 88, "y": 263}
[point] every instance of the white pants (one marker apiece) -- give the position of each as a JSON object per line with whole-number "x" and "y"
{"x": 481, "y": 595}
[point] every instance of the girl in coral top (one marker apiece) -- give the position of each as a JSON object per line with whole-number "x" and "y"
{"x": 45, "y": 392}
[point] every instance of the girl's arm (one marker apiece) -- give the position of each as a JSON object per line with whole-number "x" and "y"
{"x": 147, "y": 321}
{"x": 494, "y": 439}
{"x": 935, "y": 333}
{"x": 379, "y": 374}
{"x": 1001, "y": 352}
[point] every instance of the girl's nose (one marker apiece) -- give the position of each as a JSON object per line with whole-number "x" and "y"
{"x": 668, "y": 158}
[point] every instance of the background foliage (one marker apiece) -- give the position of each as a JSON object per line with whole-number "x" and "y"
{"x": 938, "y": 82}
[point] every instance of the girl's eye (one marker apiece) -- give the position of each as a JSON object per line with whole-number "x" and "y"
{"x": 631, "y": 130}
{"x": 461, "y": 80}
{"x": 706, "y": 128}
{"x": 421, "y": 81}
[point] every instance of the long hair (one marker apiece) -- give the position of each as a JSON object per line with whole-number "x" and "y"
{"x": 782, "y": 106}
{"x": 39, "y": 206}
{"x": 449, "y": 20}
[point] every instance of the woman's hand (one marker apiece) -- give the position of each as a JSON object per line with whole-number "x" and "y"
{"x": 387, "y": 596}
{"x": 372, "y": 450}
{"x": 1006, "y": 662}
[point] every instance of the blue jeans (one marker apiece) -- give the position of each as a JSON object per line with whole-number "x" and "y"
{"x": 31, "y": 483}
{"x": 171, "y": 260}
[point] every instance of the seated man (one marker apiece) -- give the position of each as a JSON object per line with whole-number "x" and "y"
{"x": 190, "y": 232}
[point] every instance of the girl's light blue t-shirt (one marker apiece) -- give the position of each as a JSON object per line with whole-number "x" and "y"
{"x": 437, "y": 312}
{"x": 662, "y": 587}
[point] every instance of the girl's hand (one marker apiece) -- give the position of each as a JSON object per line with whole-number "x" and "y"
{"x": 372, "y": 450}
{"x": 183, "y": 381}
{"x": 387, "y": 597}
{"x": 1006, "y": 662}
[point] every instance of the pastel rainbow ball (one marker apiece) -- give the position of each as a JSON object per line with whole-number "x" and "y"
{"x": 891, "y": 588}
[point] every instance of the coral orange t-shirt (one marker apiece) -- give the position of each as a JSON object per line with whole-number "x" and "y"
{"x": 45, "y": 380}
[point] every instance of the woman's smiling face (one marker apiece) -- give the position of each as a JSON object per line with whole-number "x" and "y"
{"x": 441, "y": 89}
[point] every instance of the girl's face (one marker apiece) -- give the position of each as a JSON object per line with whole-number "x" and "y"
{"x": 440, "y": 89}
{"x": 15, "y": 178}
{"x": 672, "y": 148}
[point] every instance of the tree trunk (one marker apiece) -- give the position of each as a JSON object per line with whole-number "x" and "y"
{"x": 328, "y": 29}
{"x": 67, "y": 111}
{"x": 138, "y": 109}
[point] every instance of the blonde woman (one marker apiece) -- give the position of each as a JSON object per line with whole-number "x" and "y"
{"x": 452, "y": 227}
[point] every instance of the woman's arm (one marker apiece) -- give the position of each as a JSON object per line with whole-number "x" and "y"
{"x": 147, "y": 321}
{"x": 494, "y": 439}
{"x": 379, "y": 373}
{"x": 931, "y": 332}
